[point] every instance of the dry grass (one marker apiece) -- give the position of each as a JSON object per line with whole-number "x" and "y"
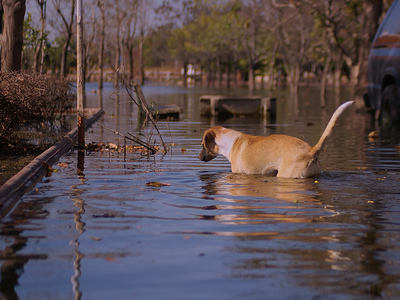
{"x": 32, "y": 102}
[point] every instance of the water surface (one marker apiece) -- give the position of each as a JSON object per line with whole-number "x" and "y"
{"x": 208, "y": 233}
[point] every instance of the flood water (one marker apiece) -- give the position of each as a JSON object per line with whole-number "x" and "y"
{"x": 208, "y": 233}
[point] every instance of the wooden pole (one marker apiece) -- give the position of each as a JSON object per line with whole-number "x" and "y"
{"x": 80, "y": 88}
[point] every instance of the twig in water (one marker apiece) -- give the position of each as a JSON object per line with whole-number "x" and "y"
{"x": 142, "y": 104}
{"x": 134, "y": 139}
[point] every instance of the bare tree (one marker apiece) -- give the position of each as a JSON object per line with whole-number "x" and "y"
{"x": 251, "y": 27}
{"x": 90, "y": 31}
{"x": 144, "y": 6}
{"x": 130, "y": 35}
{"x": 66, "y": 11}
{"x": 13, "y": 12}
{"x": 38, "y": 66}
{"x": 101, "y": 5}
{"x": 295, "y": 36}
{"x": 118, "y": 16}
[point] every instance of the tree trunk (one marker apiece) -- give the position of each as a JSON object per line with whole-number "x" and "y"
{"x": 251, "y": 80}
{"x": 12, "y": 39}
{"x": 354, "y": 71}
{"x": 43, "y": 32}
{"x": 296, "y": 79}
{"x": 36, "y": 57}
{"x": 219, "y": 70}
{"x": 131, "y": 65}
{"x": 337, "y": 75}
{"x": 42, "y": 6}
{"x": 117, "y": 61}
{"x": 201, "y": 75}
{"x": 63, "y": 69}
{"x": 235, "y": 74}
{"x": 271, "y": 66}
{"x": 325, "y": 75}
{"x": 142, "y": 59}
{"x": 101, "y": 52}
{"x": 262, "y": 79}
{"x": 68, "y": 27}
{"x": 185, "y": 75}
{"x": 209, "y": 76}
{"x": 228, "y": 74}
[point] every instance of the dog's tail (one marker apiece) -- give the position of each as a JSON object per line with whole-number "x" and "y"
{"x": 315, "y": 151}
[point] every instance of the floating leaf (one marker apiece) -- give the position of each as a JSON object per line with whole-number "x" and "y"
{"x": 63, "y": 165}
{"x": 111, "y": 259}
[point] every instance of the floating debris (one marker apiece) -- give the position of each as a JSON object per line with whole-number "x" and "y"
{"x": 156, "y": 184}
{"x": 100, "y": 147}
{"x": 373, "y": 134}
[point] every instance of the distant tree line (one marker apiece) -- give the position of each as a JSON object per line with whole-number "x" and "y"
{"x": 274, "y": 38}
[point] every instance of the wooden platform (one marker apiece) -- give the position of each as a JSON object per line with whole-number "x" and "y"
{"x": 228, "y": 106}
{"x": 167, "y": 111}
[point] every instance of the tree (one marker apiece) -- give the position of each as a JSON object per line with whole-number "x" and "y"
{"x": 144, "y": 6}
{"x": 295, "y": 31}
{"x": 128, "y": 40}
{"x": 119, "y": 14}
{"x": 251, "y": 25}
{"x": 38, "y": 66}
{"x": 13, "y": 12}
{"x": 66, "y": 12}
{"x": 31, "y": 42}
{"x": 101, "y": 5}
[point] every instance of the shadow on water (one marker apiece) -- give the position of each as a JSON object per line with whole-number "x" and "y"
{"x": 95, "y": 228}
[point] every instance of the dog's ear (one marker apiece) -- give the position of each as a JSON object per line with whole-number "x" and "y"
{"x": 209, "y": 141}
{"x": 210, "y": 148}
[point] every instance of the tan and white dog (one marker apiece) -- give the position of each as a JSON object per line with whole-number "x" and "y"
{"x": 280, "y": 155}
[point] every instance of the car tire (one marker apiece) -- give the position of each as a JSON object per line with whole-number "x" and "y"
{"x": 390, "y": 106}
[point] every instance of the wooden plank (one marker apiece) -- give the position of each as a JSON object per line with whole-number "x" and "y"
{"x": 167, "y": 111}
{"x": 218, "y": 105}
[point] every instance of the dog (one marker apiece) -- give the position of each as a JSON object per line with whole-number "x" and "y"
{"x": 280, "y": 155}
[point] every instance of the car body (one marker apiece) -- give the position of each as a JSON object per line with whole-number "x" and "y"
{"x": 384, "y": 69}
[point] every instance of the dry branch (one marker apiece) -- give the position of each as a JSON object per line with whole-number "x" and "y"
{"x": 141, "y": 104}
{"x": 133, "y": 139}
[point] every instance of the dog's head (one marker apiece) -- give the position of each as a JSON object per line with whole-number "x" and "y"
{"x": 210, "y": 148}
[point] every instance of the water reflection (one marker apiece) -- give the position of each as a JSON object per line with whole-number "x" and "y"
{"x": 316, "y": 226}
{"x": 14, "y": 262}
{"x": 256, "y": 200}
{"x": 286, "y": 189}
{"x": 79, "y": 224}
{"x": 12, "y": 267}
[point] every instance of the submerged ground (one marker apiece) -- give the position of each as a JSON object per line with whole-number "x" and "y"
{"x": 208, "y": 233}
